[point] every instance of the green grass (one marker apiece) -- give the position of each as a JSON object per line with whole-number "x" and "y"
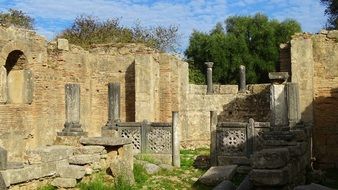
{"x": 140, "y": 174}
{"x": 47, "y": 187}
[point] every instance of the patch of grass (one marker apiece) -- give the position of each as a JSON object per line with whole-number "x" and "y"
{"x": 122, "y": 184}
{"x": 146, "y": 158}
{"x": 96, "y": 183}
{"x": 47, "y": 187}
{"x": 140, "y": 174}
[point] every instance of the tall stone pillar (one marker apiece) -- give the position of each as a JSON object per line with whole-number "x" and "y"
{"x": 213, "y": 138}
{"x": 175, "y": 140}
{"x": 3, "y": 85}
{"x": 294, "y": 115}
{"x": 113, "y": 104}
{"x": 72, "y": 126}
{"x": 242, "y": 79}
{"x": 210, "y": 89}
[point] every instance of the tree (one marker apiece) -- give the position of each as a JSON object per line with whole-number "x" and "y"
{"x": 332, "y": 12}
{"x": 87, "y": 30}
{"x": 249, "y": 40}
{"x": 16, "y": 18}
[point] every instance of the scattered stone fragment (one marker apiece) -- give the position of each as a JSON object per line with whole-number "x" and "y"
{"x": 64, "y": 182}
{"x": 71, "y": 171}
{"x": 217, "y": 174}
{"x": 225, "y": 185}
{"x": 151, "y": 168}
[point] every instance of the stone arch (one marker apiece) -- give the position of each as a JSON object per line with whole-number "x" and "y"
{"x": 16, "y": 78}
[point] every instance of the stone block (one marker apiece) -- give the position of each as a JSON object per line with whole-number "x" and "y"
{"x": 151, "y": 168}
{"x": 83, "y": 159}
{"x": 64, "y": 182}
{"x": 121, "y": 168}
{"x": 63, "y": 44}
{"x": 264, "y": 177}
{"x": 104, "y": 141}
{"x": 246, "y": 184}
{"x": 49, "y": 154}
{"x": 217, "y": 174}
{"x": 333, "y": 34}
{"x": 31, "y": 172}
{"x": 271, "y": 158}
{"x": 3, "y": 185}
{"x": 225, "y": 185}
{"x": 71, "y": 171}
{"x": 312, "y": 186}
{"x": 298, "y": 149}
{"x": 3, "y": 85}
{"x": 3, "y": 159}
{"x": 89, "y": 150}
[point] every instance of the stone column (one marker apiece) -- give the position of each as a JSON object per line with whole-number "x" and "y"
{"x": 213, "y": 138}
{"x": 72, "y": 126}
{"x": 210, "y": 89}
{"x": 278, "y": 106}
{"x": 294, "y": 114}
{"x": 113, "y": 104}
{"x": 175, "y": 140}
{"x": 3, "y": 159}
{"x": 242, "y": 79}
{"x": 3, "y": 85}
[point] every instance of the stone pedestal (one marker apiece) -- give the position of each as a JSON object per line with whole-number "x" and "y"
{"x": 294, "y": 115}
{"x": 278, "y": 105}
{"x": 210, "y": 89}
{"x": 242, "y": 79}
{"x": 72, "y": 126}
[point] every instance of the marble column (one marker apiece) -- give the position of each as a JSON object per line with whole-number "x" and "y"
{"x": 210, "y": 89}
{"x": 242, "y": 79}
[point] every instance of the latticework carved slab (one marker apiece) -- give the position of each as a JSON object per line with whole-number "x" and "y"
{"x": 133, "y": 133}
{"x": 231, "y": 141}
{"x": 159, "y": 140}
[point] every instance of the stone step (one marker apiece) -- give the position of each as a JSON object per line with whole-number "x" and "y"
{"x": 104, "y": 141}
{"x": 49, "y": 154}
{"x": 217, "y": 174}
{"x": 225, "y": 185}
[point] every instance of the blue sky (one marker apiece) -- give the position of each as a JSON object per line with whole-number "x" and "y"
{"x": 51, "y": 16}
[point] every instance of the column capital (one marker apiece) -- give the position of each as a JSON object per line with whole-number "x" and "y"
{"x": 209, "y": 64}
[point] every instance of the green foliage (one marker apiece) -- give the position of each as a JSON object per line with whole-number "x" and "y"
{"x": 249, "y": 40}
{"x": 47, "y": 187}
{"x": 140, "y": 174}
{"x": 332, "y": 12}
{"x": 96, "y": 184}
{"x": 16, "y": 18}
{"x": 87, "y": 30}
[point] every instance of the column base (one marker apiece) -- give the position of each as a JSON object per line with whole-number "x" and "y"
{"x": 72, "y": 129}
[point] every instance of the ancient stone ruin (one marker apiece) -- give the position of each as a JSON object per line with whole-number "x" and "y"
{"x": 66, "y": 112}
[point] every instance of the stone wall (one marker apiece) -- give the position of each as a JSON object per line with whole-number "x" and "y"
{"x": 150, "y": 81}
{"x": 229, "y": 104}
{"x": 315, "y": 69}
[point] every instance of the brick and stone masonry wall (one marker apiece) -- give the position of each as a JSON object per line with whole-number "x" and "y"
{"x": 314, "y": 67}
{"x": 229, "y": 104}
{"x": 29, "y": 124}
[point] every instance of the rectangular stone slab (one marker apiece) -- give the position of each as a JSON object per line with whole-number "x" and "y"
{"x": 104, "y": 141}
{"x": 217, "y": 174}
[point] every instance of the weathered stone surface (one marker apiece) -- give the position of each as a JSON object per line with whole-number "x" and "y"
{"x": 246, "y": 184}
{"x": 82, "y": 159}
{"x": 104, "y": 141}
{"x": 49, "y": 153}
{"x": 225, "y": 185}
{"x": 166, "y": 167}
{"x": 266, "y": 177}
{"x": 3, "y": 85}
{"x": 64, "y": 182}
{"x": 217, "y": 174}
{"x": 271, "y": 158}
{"x": 120, "y": 167}
{"x": 283, "y": 76}
{"x": 14, "y": 165}
{"x": 151, "y": 168}
{"x": 244, "y": 169}
{"x": 312, "y": 186}
{"x": 71, "y": 171}
{"x": 242, "y": 79}
{"x": 278, "y": 105}
{"x": 333, "y": 34}
{"x": 89, "y": 150}
{"x": 3, "y": 158}
{"x": 2, "y": 183}
{"x": 30, "y": 172}
{"x": 63, "y": 44}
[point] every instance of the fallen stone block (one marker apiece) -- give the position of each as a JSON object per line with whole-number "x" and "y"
{"x": 49, "y": 154}
{"x": 84, "y": 159}
{"x": 62, "y": 44}
{"x": 166, "y": 167}
{"x": 30, "y": 172}
{"x": 312, "y": 186}
{"x": 121, "y": 168}
{"x": 225, "y": 185}
{"x": 246, "y": 184}
{"x": 151, "y": 168}
{"x": 217, "y": 174}
{"x": 264, "y": 177}
{"x": 71, "y": 171}
{"x": 104, "y": 141}
{"x": 64, "y": 182}
{"x": 89, "y": 150}
{"x": 270, "y": 158}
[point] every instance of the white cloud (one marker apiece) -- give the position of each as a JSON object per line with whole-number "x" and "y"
{"x": 188, "y": 14}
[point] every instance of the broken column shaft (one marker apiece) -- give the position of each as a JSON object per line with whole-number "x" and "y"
{"x": 242, "y": 79}
{"x": 209, "y": 77}
{"x": 113, "y": 104}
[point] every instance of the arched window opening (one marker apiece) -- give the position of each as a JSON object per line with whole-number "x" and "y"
{"x": 16, "y": 60}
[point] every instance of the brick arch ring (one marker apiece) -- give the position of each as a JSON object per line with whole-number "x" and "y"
{"x": 12, "y": 46}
